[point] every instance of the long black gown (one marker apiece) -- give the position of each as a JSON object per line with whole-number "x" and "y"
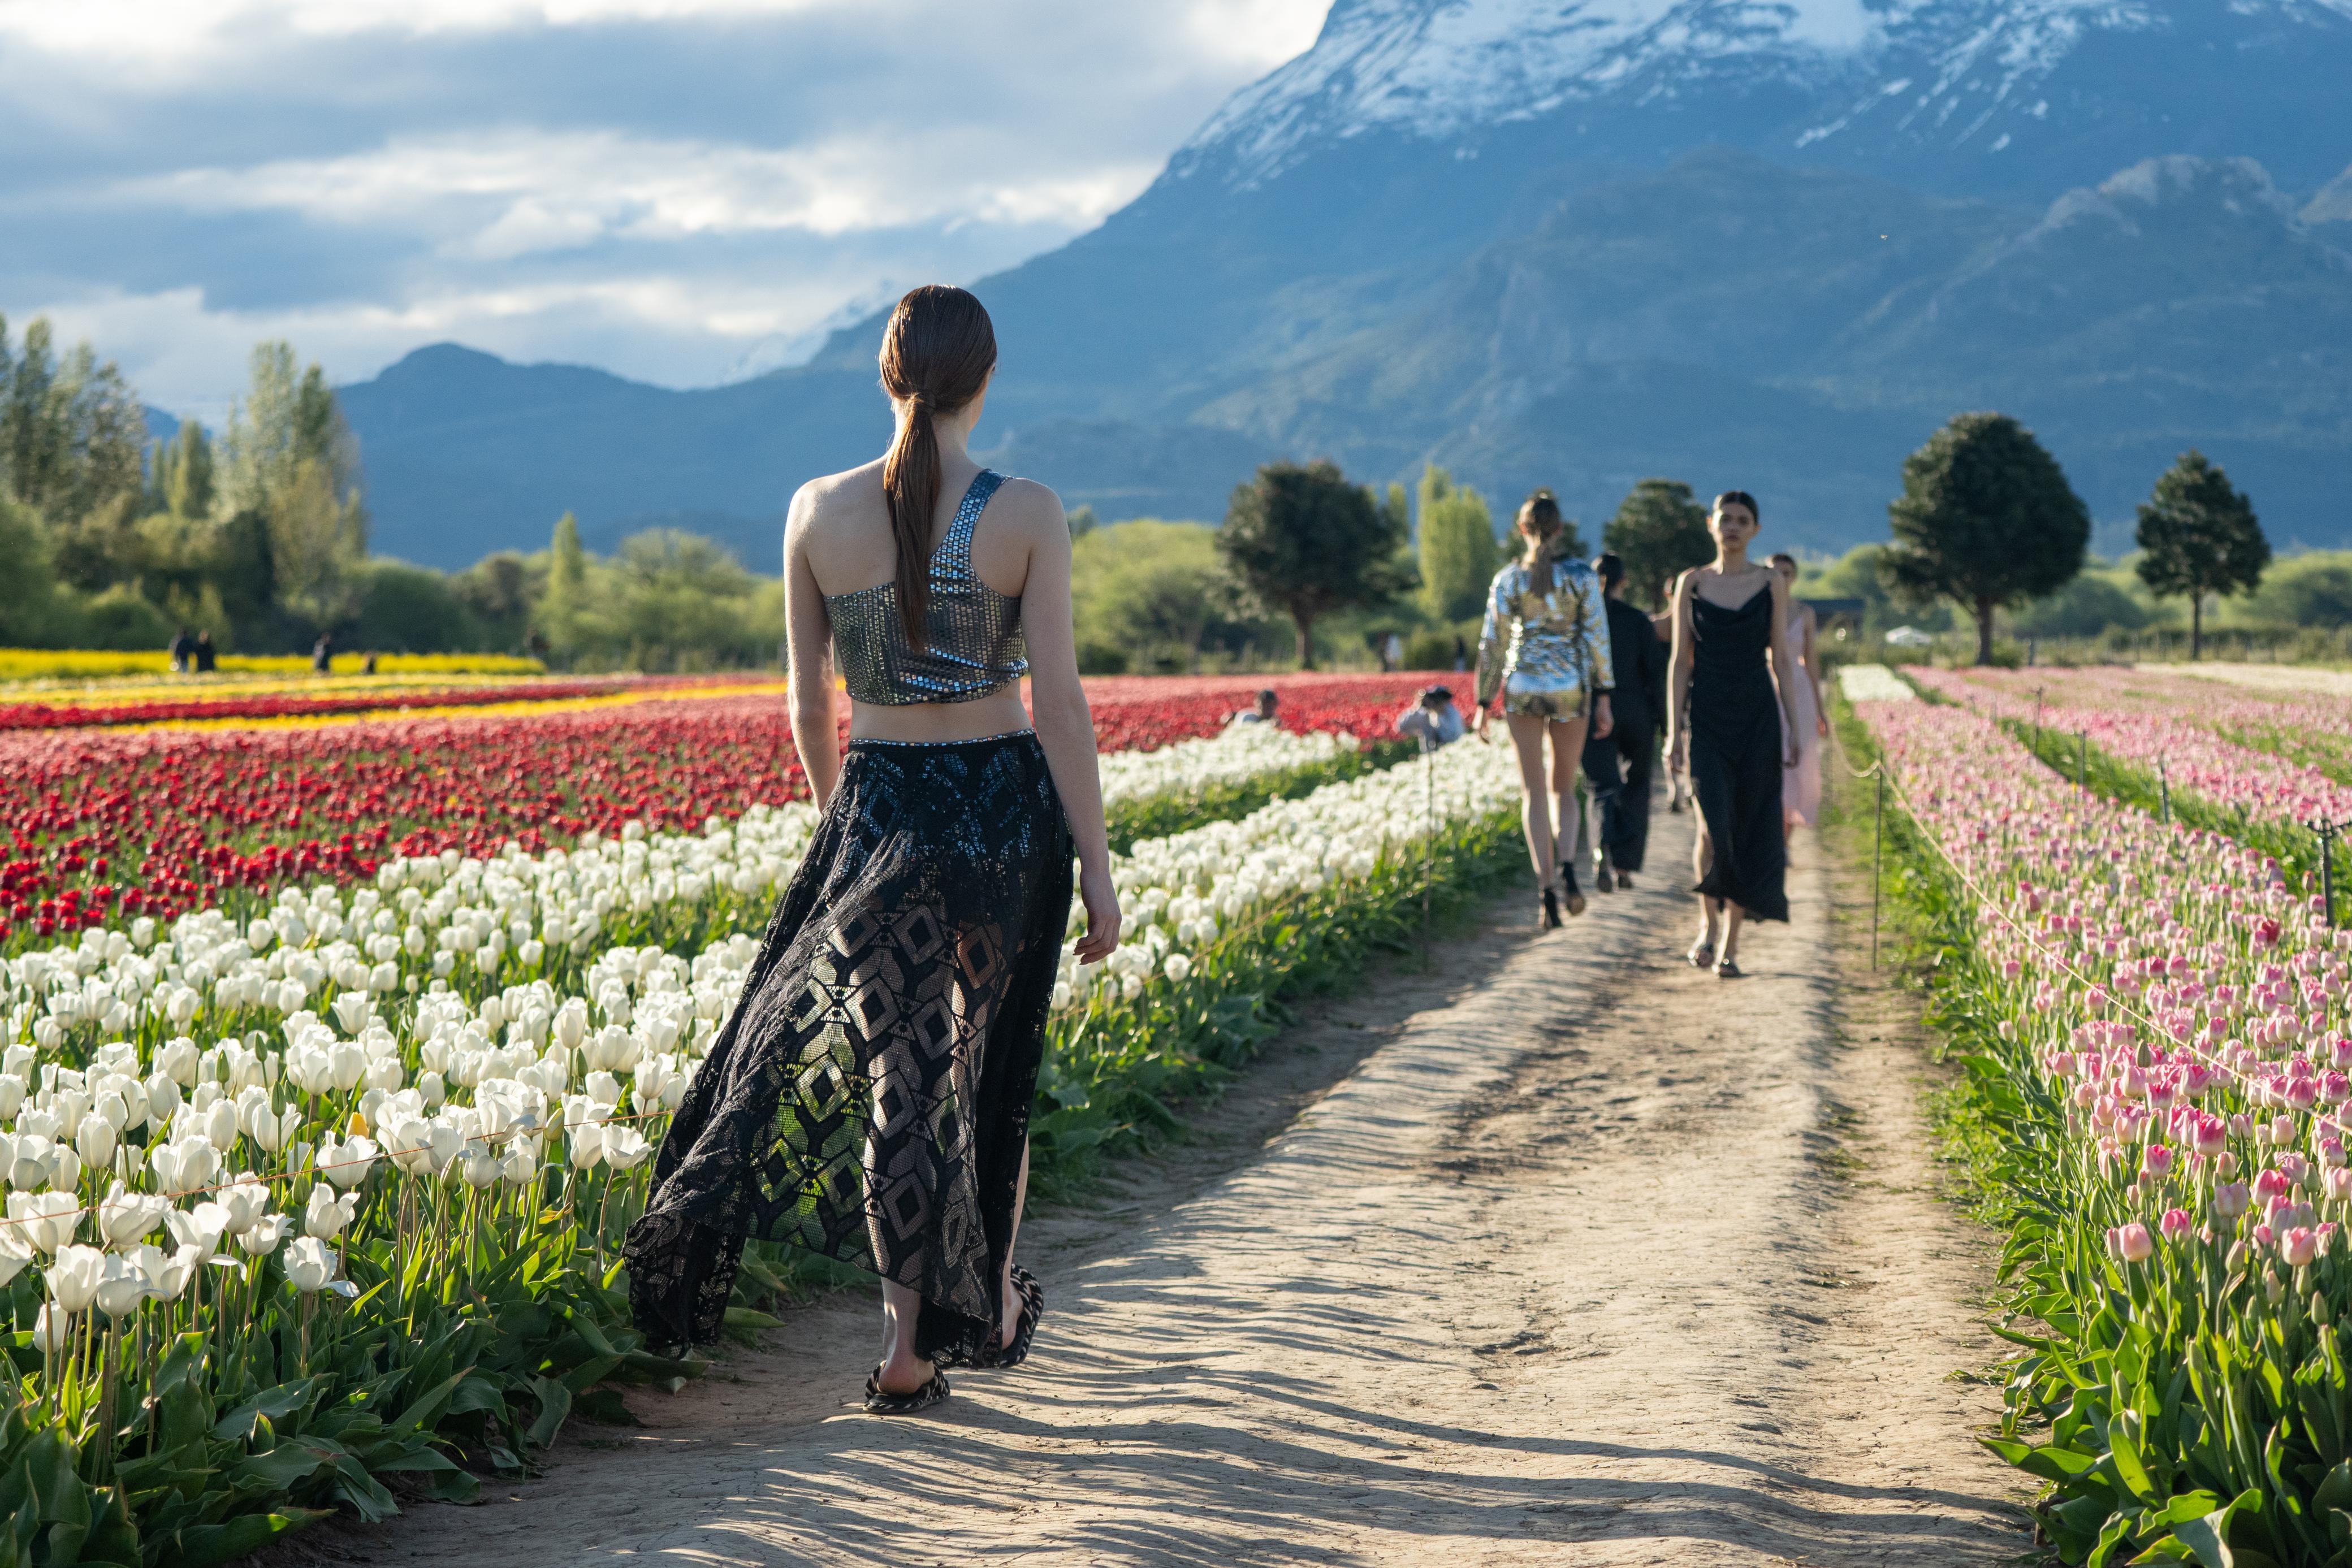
{"x": 1735, "y": 754}
{"x": 869, "y": 1098}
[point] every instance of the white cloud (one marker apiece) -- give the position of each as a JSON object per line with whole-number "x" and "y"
{"x": 677, "y": 190}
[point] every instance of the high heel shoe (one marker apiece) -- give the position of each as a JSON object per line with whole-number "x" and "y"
{"x": 1550, "y": 919}
{"x": 1569, "y": 894}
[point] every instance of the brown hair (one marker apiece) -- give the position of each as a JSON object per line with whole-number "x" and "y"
{"x": 937, "y": 353}
{"x": 1740, "y": 498}
{"x": 1542, "y": 508}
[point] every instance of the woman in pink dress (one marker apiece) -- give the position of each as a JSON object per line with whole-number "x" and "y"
{"x": 1807, "y": 718}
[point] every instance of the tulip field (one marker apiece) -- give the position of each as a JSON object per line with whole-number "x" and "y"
{"x": 333, "y": 1053}
{"x": 2152, "y": 1009}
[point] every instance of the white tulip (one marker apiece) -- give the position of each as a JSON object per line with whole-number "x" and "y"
{"x": 96, "y": 1141}
{"x": 347, "y": 1164}
{"x": 168, "y": 1277}
{"x": 243, "y": 1201}
{"x": 327, "y": 1216}
{"x": 605, "y": 1089}
{"x": 52, "y": 1331}
{"x": 121, "y": 1288}
{"x": 177, "y": 1060}
{"x": 73, "y": 1277}
{"x": 309, "y": 1264}
{"x": 261, "y": 1238}
{"x": 199, "y": 1230}
{"x": 624, "y": 1147}
{"x": 126, "y": 1219}
{"x": 219, "y": 1124}
{"x": 481, "y": 1168}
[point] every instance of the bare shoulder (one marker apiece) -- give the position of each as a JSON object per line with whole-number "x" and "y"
{"x": 1028, "y": 507}
{"x": 823, "y": 500}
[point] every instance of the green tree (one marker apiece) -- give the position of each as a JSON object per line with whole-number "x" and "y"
{"x": 1987, "y": 520}
{"x": 2199, "y": 536}
{"x": 71, "y": 430}
{"x": 1152, "y": 591}
{"x": 2313, "y": 590}
{"x": 284, "y": 422}
{"x": 1659, "y": 531}
{"x": 318, "y": 545}
{"x": 181, "y": 473}
{"x": 34, "y": 613}
{"x": 246, "y": 573}
{"x": 1458, "y": 549}
{"x": 1082, "y": 521}
{"x": 1301, "y": 541}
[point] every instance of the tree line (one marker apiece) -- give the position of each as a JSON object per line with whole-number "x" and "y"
{"x": 261, "y": 539}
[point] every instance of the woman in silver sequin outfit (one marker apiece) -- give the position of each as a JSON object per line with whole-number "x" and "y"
{"x": 869, "y": 1098}
{"x": 1545, "y": 649}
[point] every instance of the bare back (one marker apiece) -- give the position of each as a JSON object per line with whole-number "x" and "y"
{"x": 837, "y": 540}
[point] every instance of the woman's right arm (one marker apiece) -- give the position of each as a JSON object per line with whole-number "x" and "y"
{"x": 808, "y": 643}
{"x": 1489, "y": 679}
{"x": 1057, "y": 707}
{"x": 1678, "y": 672}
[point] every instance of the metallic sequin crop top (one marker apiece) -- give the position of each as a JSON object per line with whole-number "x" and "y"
{"x": 972, "y": 634}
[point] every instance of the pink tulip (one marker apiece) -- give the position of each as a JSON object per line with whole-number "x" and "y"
{"x": 2231, "y": 1199}
{"x": 2175, "y": 1224}
{"x": 2132, "y": 1242}
{"x": 2156, "y": 1161}
{"x": 2299, "y": 1247}
{"x": 2272, "y": 1183}
{"x": 2339, "y": 1182}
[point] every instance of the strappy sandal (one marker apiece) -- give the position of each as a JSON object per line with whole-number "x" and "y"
{"x": 1727, "y": 970}
{"x": 878, "y": 1403}
{"x": 1005, "y": 1358}
{"x": 1702, "y": 953}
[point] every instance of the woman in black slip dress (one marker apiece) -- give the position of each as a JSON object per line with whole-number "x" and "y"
{"x": 1723, "y": 723}
{"x": 869, "y": 1098}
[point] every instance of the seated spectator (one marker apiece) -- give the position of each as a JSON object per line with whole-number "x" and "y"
{"x": 1432, "y": 719}
{"x": 1262, "y": 714}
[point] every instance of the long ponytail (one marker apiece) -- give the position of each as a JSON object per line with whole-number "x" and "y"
{"x": 937, "y": 352}
{"x": 1542, "y": 508}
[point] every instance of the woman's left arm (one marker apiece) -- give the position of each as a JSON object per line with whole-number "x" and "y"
{"x": 1784, "y": 668}
{"x": 1057, "y": 707}
{"x": 1813, "y": 673}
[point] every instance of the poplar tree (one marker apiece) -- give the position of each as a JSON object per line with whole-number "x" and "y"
{"x": 1458, "y": 549}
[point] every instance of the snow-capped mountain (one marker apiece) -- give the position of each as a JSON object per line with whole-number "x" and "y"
{"x": 1764, "y": 242}
{"x": 1985, "y": 93}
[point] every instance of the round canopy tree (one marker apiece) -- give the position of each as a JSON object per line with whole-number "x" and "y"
{"x": 1659, "y": 531}
{"x": 1987, "y": 519}
{"x": 1301, "y": 541}
{"x": 2199, "y": 535}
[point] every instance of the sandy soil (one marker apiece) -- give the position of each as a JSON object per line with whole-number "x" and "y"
{"x": 1563, "y": 1253}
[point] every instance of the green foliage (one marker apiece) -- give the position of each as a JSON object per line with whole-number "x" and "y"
{"x": 1660, "y": 531}
{"x": 70, "y": 430}
{"x": 2093, "y": 602}
{"x": 1152, "y": 594}
{"x": 180, "y": 473}
{"x": 1302, "y": 541}
{"x": 1986, "y": 518}
{"x": 318, "y": 545}
{"x": 1459, "y": 552}
{"x": 405, "y": 609}
{"x": 34, "y": 613}
{"x": 2312, "y": 590}
{"x": 1860, "y": 574}
{"x": 284, "y": 422}
{"x": 1082, "y": 522}
{"x": 2198, "y": 537}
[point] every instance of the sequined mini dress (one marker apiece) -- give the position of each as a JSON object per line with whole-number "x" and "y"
{"x": 1546, "y": 649}
{"x": 869, "y": 1098}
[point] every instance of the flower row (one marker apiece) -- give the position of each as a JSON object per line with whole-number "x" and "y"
{"x": 285, "y": 1164}
{"x": 2167, "y": 1016}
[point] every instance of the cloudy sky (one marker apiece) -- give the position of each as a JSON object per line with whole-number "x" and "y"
{"x": 682, "y": 191}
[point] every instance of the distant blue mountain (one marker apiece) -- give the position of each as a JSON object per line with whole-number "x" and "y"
{"x": 1550, "y": 241}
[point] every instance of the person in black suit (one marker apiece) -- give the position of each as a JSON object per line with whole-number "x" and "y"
{"x": 1618, "y": 766}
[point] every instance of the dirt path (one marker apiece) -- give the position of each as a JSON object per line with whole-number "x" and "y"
{"x": 1591, "y": 1248}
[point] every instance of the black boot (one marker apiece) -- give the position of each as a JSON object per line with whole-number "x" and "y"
{"x": 1569, "y": 895}
{"x": 1550, "y": 919}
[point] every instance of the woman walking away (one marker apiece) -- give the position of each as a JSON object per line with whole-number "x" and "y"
{"x": 1723, "y": 720}
{"x": 1639, "y": 663}
{"x": 1544, "y": 646}
{"x": 1809, "y": 718}
{"x": 869, "y": 1096}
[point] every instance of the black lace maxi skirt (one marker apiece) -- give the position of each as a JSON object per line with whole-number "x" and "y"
{"x": 870, "y": 1097}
